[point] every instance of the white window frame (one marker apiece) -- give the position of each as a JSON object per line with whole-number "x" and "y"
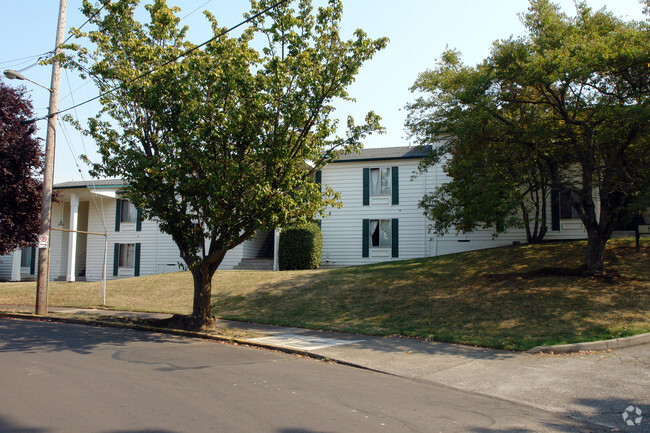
{"x": 381, "y": 181}
{"x": 128, "y": 212}
{"x": 126, "y": 256}
{"x": 382, "y": 225}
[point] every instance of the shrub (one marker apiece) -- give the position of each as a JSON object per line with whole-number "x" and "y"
{"x": 300, "y": 247}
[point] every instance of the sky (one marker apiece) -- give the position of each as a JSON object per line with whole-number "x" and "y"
{"x": 419, "y": 31}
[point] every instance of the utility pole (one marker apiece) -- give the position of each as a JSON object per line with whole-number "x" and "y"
{"x": 48, "y": 172}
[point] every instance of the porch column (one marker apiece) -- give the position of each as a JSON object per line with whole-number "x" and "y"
{"x": 72, "y": 237}
{"x": 276, "y": 244}
{"x": 16, "y": 257}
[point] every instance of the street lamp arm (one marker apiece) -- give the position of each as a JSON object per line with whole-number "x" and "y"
{"x": 15, "y": 75}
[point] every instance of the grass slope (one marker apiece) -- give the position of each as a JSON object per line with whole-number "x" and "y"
{"x": 514, "y": 298}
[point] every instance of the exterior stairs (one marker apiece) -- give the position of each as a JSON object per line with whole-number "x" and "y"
{"x": 255, "y": 265}
{"x": 263, "y": 260}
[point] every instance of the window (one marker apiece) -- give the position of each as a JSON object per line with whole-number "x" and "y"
{"x": 127, "y": 256}
{"x": 380, "y": 238}
{"x": 561, "y": 208}
{"x": 380, "y": 181}
{"x": 380, "y": 233}
{"x": 128, "y": 213}
{"x": 27, "y": 257}
{"x": 382, "y": 184}
{"x": 126, "y": 259}
{"x": 566, "y": 210}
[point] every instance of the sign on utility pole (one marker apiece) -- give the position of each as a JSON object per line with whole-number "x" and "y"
{"x": 48, "y": 172}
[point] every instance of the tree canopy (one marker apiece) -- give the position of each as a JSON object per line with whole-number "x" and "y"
{"x": 21, "y": 161}
{"x": 564, "y": 108}
{"x": 223, "y": 139}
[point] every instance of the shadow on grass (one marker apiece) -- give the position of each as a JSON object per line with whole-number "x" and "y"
{"x": 458, "y": 299}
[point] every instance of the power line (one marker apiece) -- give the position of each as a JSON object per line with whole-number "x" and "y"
{"x": 46, "y": 54}
{"x": 22, "y": 59}
{"x": 151, "y": 71}
{"x": 86, "y": 22}
{"x": 100, "y": 213}
{"x": 195, "y": 10}
{"x": 83, "y": 143}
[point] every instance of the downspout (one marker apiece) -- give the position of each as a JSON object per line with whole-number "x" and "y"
{"x": 435, "y": 183}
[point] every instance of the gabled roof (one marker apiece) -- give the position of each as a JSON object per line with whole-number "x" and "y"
{"x": 92, "y": 183}
{"x": 386, "y": 153}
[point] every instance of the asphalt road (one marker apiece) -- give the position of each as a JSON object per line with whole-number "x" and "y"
{"x": 72, "y": 378}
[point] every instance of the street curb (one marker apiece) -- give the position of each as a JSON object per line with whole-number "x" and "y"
{"x": 190, "y": 334}
{"x": 616, "y": 343}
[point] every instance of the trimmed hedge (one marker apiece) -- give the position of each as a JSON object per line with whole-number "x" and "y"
{"x": 300, "y": 247}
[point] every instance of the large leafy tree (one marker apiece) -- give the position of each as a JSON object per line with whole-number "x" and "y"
{"x": 223, "y": 140}
{"x": 21, "y": 161}
{"x": 564, "y": 108}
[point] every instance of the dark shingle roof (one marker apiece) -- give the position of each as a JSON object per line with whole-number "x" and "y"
{"x": 92, "y": 183}
{"x": 384, "y": 153}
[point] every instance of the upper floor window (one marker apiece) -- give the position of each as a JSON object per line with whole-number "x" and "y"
{"x": 380, "y": 181}
{"x": 128, "y": 213}
{"x": 382, "y": 184}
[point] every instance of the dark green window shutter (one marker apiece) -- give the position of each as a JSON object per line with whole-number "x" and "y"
{"x": 118, "y": 214}
{"x": 394, "y": 175}
{"x": 136, "y": 268}
{"x": 365, "y": 241}
{"x": 116, "y": 258}
{"x": 555, "y": 210}
{"x": 319, "y": 177}
{"x": 366, "y": 187}
{"x": 32, "y": 264}
{"x": 138, "y": 221}
{"x": 394, "y": 242}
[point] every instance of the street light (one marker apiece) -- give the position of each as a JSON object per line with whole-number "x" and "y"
{"x": 15, "y": 75}
{"x": 48, "y": 170}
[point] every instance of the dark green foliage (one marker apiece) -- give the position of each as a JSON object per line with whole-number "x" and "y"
{"x": 21, "y": 161}
{"x": 564, "y": 108}
{"x": 300, "y": 247}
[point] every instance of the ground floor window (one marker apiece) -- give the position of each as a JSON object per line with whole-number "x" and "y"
{"x": 26, "y": 257}
{"x": 566, "y": 210}
{"x": 127, "y": 256}
{"x": 381, "y": 236}
{"x": 380, "y": 233}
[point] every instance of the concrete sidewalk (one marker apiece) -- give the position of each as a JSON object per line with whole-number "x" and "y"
{"x": 596, "y": 387}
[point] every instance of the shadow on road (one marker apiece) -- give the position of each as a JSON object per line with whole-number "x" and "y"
{"x": 32, "y": 336}
{"x": 6, "y": 425}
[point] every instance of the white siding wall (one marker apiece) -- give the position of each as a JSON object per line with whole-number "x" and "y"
{"x": 342, "y": 229}
{"x": 158, "y": 254}
{"x": 59, "y": 241}
{"x": 454, "y": 242}
{"x": 6, "y": 266}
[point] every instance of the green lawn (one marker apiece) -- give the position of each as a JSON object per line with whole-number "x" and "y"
{"x": 515, "y": 297}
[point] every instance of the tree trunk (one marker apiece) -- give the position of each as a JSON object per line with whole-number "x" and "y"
{"x": 202, "y": 317}
{"x": 595, "y": 252}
